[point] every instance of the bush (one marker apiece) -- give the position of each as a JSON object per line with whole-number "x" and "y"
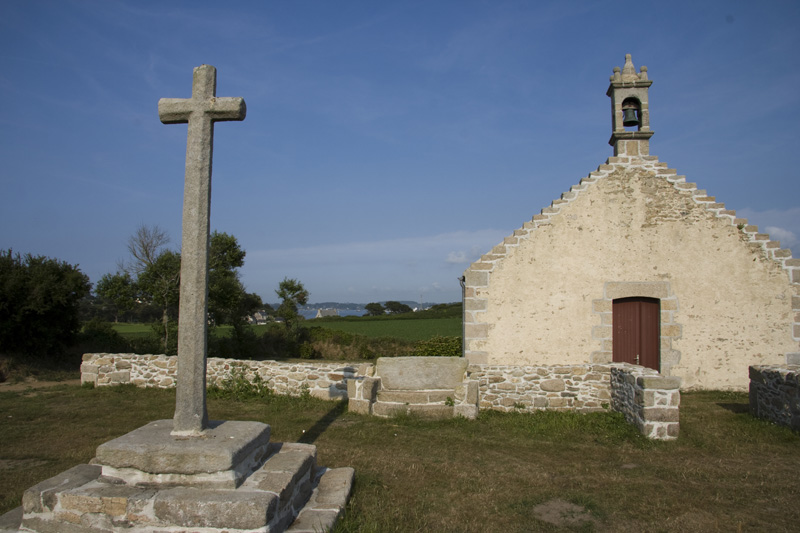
{"x": 39, "y": 304}
{"x": 100, "y": 337}
{"x": 438, "y": 347}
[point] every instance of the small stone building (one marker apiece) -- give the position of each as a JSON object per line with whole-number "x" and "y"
{"x": 635, "y": 264}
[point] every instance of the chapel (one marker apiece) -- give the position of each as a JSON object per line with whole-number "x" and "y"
{"x": 636, "y": 264}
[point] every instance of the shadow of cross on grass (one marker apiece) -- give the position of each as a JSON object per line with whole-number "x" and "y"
{"x": 323, "y": 423}
{"x": 737, "y": 408}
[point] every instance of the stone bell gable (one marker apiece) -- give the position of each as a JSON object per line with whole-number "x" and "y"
{"x": 722, "y": 295}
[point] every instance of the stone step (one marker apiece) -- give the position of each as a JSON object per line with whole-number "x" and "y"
{"x": 435, "y": 410}
{"x": 326, "y": 503}
{"x": 10, "y": 522}
{"x": 270, "y": 498}
{"x": 416, "y": 397}
{"x": 289, "y": 473}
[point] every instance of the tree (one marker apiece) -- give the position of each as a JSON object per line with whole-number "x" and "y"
{"x": 159, "y": 284}
{"x": 292, "y": 293}
{"x": 120, "y": 290}
{"x": 375, "y": 309}
{"x": 145, "y": 246}
{"x": 228, "y": 301}
{"x": 395, "y": 308}
{"x": 39, "y": 304}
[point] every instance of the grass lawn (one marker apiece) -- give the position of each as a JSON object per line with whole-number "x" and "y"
{"x": 727, "y": 472}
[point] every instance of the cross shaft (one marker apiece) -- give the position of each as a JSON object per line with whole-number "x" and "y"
{"x": 200, "y": 111}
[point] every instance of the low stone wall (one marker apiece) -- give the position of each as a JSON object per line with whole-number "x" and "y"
{"x": 321, "y": 379}
{"x": 529, "y": 388}
{"x": 648, "y": 400}
{"x": 775, "y": 394}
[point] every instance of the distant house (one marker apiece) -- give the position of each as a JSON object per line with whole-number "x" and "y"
{"x": 259, "y": 318}
{"x": 322, "y": 313}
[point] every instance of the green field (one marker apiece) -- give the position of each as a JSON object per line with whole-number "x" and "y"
{"x": 406, "y": 329}
{"x": 410, "y": 329}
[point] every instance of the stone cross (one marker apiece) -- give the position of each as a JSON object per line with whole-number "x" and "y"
{"x": 200, "y": 111}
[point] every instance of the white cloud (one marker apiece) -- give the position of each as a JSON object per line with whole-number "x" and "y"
{"x": 781, "y": 224}
{"x": 457, "y": 258}
{"x": 786, "y": 237}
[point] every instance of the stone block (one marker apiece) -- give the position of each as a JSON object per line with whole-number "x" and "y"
{"x": 122, "y": 376}
{"x": 152, "y": 448}
{"x": 405, "y": 396}
{"x": 476, "y": 331}
{"x": 314, "y": 521}
{"x": 659, "y": 382}
{"x": 421, "y": 373}
{"x": 287, "y": 473}
{"x": 556, "y": 403}
{"x": 361, "y": 407}
{"x": 476, "y": 304}
{"x": 479, "y": 265}
{"x": 673, "y": 430}
{"x": 388, "y": 409}
{"x": 89, "y": 368}
{"x": 552, "y": 385}
{"x": 601, "y": 332}
{"x": 661, "y": 414}
{"x": 468, "y": 411}
{"x": 432, "y": 411}
{"x": 43, "y": 496}
{"x": 472, "y": 392}
{"x": 197, "y": 508}
{"x": 333, "y": 489}
{"x": 476, "y": 278}
{"x": 756, "y": 375}
{"x": 10, "y": 521}
{"x": 106, "y": 498}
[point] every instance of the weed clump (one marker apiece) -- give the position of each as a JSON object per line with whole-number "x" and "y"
{"x": 238, "y": 387}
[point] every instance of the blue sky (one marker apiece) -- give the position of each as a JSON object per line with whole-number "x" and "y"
{"x": 386, "y": 144}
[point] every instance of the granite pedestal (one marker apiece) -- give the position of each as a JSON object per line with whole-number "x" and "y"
{"x": 232, "y": 479}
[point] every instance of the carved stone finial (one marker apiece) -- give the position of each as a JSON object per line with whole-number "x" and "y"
{"x": 629, "y": 71}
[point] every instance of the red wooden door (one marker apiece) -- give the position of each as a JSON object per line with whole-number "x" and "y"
{"x": 637, "y": 331}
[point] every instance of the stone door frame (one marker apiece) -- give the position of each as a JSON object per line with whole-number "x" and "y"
{"x": 670, "y": 330}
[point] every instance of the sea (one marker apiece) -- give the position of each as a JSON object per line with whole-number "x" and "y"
{"x": 311, "y": 313}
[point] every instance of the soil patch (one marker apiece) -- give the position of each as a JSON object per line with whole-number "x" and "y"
{"x": 562, "y": 513}
{"x": 34, "y": 384}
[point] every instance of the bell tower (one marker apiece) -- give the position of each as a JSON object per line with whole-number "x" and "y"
{"x": 629, "y": 109}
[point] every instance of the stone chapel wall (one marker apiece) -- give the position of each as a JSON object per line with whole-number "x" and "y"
{"x": 729, "y": 296}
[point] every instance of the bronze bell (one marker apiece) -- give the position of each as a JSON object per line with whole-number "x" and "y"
{"x": 629, "y": 117}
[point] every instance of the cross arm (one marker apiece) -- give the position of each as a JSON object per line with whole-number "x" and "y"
{"x": 178, "y": 110}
